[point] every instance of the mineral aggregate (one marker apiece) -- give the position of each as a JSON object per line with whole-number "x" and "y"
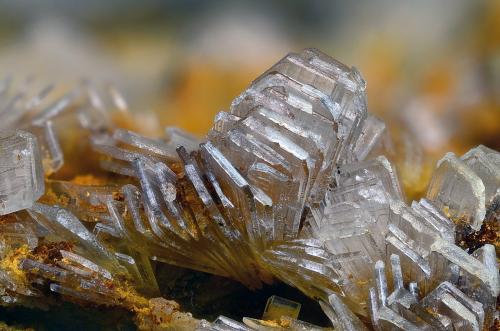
{"x": 296, "y": 182}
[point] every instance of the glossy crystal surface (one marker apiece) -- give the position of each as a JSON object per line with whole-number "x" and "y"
{"x": 288, "y": 185}
{"x": 21, "y": 173}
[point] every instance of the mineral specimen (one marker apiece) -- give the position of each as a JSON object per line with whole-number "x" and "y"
{"x": 444, "y": 308}
{"x": 290, "y": 184}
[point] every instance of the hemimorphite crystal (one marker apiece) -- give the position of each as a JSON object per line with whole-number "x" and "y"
{"x": 21, "y": 172}
{"x": 486, "y": 164}
{"x": 402, "y": 308}
{"x": 342, "y": 317}
{"x": 287, "y": 185}
{"x": 459, "y": 189}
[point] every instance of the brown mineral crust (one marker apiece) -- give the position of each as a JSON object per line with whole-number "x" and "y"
{"x": 496, "y": 323}
{"x": 466, "y": 238}
{"x": 49, "y": 253}
{"x": 62, "y": 200}
{"x": 9, "y": 218}
{"x": 488, "y": 234}
{"x": 118, "y": 196}
{"x": 51, "y": 198}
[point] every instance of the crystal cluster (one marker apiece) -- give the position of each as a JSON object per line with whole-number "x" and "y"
{"x": 291, "y": 184}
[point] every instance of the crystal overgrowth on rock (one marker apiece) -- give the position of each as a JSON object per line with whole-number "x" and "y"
{"x": 290, "y": 184}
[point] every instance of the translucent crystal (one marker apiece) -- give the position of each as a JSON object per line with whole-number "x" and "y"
{"x": 478, "y": 277}
{"x": 371, "y": 183}
{"x": 383, "y": 317}
{"x": 484, "y": 162}
{"x": 285, "y": 323}
{"x": 21, "y": 176}
{"x": 448, "y": 302}
{"x": 176, "y": 137}
{"x": 288, "y": 185}
{"x": 64, "y": 224}
{"x": 277, "y": 307}
{"x": 371, "y": 136}
{"x": 344, "y": 86}
{"x": 52, "y": 156}
{"x": 144, "y": 143}
{"x": 445, "y": 308}
{"x": 411, "y": 239}
{"x": 341, "y": 316}
{"x": 17, "y": 234}
{"x": 355, "y": 239}
{"x": 460, "y": 190}
{"x": 223, "y": 323}
{"x": 353, "y": 221}
{"x": 434, "y": 219}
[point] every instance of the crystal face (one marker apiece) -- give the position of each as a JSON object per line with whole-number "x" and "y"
{"x": 290, "y": 184}
{"x": 21, "y": 176}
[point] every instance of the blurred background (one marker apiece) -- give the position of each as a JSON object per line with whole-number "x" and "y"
{"x": 432, "y": 68}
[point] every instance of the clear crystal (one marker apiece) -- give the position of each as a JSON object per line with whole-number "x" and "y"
{"x": 458, "y": 189}
{"x": 342, "y": 317}
{"x": 289, "y": 184}
{"x": 21, "y": 177}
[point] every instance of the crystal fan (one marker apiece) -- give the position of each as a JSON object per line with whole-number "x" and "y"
{"x": 291, "y": 184}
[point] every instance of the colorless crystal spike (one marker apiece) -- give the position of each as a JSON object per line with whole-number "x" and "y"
{"x": 63, "y": 223}
{"x": 223, "y": 323}
{"x": 148, "y": 145}
{"x": 342, "y": 318}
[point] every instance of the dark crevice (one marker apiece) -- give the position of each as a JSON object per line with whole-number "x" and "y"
{"x": 205, "y": 296}
{"x": 208, "y": 296}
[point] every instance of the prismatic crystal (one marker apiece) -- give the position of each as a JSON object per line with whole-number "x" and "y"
{"x": 290, "y": 184}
